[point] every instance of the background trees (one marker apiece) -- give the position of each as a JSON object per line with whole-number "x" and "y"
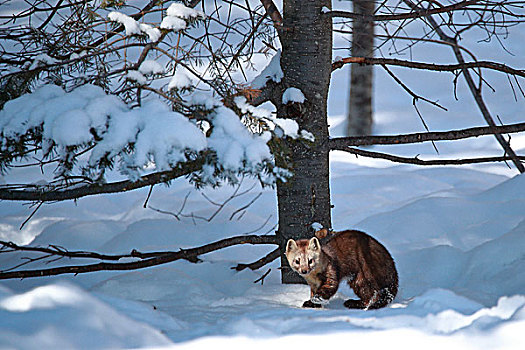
{"x": 111, "y": 64}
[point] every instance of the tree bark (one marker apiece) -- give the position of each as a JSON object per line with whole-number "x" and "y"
{"x": 306, "y": 62}
{"x": 360, "y": 118}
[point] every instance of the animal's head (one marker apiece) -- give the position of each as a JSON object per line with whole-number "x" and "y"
{"x": 303, "y": 255}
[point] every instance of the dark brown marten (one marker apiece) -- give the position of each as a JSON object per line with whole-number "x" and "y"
{"x": 351, "y": 255}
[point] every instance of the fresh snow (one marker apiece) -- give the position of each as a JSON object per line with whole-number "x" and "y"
{"x": 173, "y": 23}
{"x": 177, "y": 16}
{"x": 149, "y": 67}
{"x": 451, "y": 294}
{"x": 457, "y": 234}
{"x": 181, "y": 11}
{"x": 293, "y": 94}
{"x": 180, "y": 79}
{"x": 236, "y": 147}
{"x": 131, "y": 26}
{"x": 272, "y": 72}
{"x": 154, "y": 34}
{"x": 137, "y": 76}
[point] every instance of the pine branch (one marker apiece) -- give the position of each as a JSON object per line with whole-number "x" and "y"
{"x": 50, "y": 195}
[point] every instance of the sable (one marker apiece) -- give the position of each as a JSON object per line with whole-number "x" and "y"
{"x": 353, "y": 255}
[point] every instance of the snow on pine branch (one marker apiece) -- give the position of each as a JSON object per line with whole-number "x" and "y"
{"x": 132, "y": 27}
{"x": 150, "y": 137}
{"x": 271, "y": 72}
{"x": 177, "y": 18}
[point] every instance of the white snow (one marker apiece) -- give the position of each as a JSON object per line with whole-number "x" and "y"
{"x": 272, "y": 72}
{"x": 289, "y": 126}
{"x": 293, "y": 94}
{"x": 177, "y": 16}
{"x": 463, "y": 299}
{"x": 181, "y": 11}
{"x": 132, "y": 27}
{"x": 236, "y": 147}
{"x": 149, "y": 67}
{"x": 180, "y": 79}
{"x": 137, "y": 76}
{"x": 42, "y": 59}
{"x": 457, "y": 234}
{"x": 173, "y": 23}
{"x": 159, "y": 135}
{"x": 154, "y": 34}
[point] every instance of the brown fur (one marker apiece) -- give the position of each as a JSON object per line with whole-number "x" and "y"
{"x": 354, "y": 255}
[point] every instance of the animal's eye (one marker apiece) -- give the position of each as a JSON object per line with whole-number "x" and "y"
{"x": 297, "y": 261}
{"x": 310, "y": 261}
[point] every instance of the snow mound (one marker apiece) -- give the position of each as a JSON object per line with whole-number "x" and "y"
{"x": 66, "y": 317}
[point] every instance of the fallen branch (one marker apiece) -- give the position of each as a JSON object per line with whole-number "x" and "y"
{"x": 158, "y": 258}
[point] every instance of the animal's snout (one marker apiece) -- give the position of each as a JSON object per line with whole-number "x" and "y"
{"x": 304, "y": 271}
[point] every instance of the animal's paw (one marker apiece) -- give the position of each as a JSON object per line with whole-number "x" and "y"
{"x": 309, "y": 304}
{"x": 317, "y": 299}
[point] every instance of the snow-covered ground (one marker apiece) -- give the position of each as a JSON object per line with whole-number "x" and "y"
{"x": 457, "y": 235}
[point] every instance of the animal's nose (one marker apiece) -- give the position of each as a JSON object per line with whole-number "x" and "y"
{"x": 304, "y": 271}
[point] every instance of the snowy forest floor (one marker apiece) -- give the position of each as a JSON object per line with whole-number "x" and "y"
{"x": 457, "y": 235}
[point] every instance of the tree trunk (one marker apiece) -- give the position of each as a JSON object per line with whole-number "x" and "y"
{"x": 360, "y": 100}
{"x": 306, "y": 63}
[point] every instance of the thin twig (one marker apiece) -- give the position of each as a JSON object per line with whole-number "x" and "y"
{"x": 30, "y": 216}
{"x": 261, "y": 279}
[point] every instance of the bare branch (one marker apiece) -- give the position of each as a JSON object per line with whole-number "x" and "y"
{"x": 430, "y": 66}
{"x": 159, "y": 258}
{"x": 261, "y": 279}
{"x": 273, "y": 13}
{"x": 341, "y": 142}
{"x": 476, "y": 91}
{"x": 401, "y": 16}
{"x": 417, "y": 161}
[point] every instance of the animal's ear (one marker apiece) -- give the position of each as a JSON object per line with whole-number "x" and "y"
{"x": 290, "y": 245}
{"x": 314, "y": 244}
